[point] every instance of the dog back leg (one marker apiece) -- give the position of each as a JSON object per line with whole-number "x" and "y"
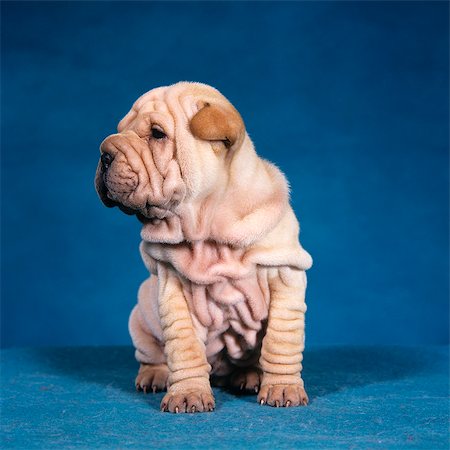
{"x": 153, "y": 371}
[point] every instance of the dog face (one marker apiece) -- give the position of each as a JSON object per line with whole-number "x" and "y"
{"x": 173, "y": 146}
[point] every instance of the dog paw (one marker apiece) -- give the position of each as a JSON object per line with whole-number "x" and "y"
{"x": 188, "y": 402}
{"x": 247, "y": 380}
{"x": 152, "y": 378}
{"x": 282, "y": 395}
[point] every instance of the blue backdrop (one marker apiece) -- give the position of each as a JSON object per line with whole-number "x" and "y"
{"x": 349, "y": 99}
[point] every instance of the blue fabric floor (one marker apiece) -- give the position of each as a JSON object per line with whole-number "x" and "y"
{"x": 372, "y": 397}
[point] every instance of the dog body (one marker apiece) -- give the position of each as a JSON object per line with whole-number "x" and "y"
{"x": 226, "y": 295}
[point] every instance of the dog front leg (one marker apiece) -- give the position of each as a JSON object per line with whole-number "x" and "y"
{"x": 283, "y": 344}
{"x": 189, "y": 387}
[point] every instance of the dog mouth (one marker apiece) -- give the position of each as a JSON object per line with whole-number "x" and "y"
{"x": 120, "y": 191}
{"x": 132, "y": 212}
{"x": 148, "y": 214}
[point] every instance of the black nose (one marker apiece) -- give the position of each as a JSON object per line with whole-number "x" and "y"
{"x": 106, "y": 159}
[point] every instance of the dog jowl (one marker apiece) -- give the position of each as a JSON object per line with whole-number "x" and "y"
{"x": 225, "y": 299}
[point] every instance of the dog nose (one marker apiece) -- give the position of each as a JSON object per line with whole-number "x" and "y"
{"x": 106, "y": 159}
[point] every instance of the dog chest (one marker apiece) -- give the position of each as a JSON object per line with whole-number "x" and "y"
{"x": 230, "y": 313}
{"x": 228, "y": 296}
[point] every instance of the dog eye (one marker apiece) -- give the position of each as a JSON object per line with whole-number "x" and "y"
{"x": 158, "y": 134}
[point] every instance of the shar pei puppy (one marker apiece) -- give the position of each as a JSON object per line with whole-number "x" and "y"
{"x": 225, "y": 300}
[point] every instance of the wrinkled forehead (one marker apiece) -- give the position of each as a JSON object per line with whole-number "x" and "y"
{"x": 165, "y": 105}
{"x": 151, "y": 100}
{"x": 162, "y": 106}
{"x": 150, "y": 108}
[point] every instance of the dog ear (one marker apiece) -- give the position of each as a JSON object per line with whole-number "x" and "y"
{"x": 217, "y": 123}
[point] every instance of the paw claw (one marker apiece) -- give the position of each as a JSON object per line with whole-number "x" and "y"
{"x": 188, "y": 401}
{"x": 283, "y": 395}
{"x": 152, "y": 377}
{"x": 246, "y": 379}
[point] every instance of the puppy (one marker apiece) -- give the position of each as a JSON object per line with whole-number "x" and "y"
{"x": 226, "y": 294}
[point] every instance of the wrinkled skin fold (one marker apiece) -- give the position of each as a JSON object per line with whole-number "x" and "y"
{"x": 225, "y": 299}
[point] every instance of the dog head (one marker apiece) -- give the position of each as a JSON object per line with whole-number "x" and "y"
{"x": 170, "y": 148}
{"x": 183, "y": 162}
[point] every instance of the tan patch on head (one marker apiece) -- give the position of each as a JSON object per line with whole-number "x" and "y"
{"x": 217, "y": 123}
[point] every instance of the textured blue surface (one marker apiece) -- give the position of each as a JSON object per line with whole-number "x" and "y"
{"x": 361, "y": 397}
{"x": 349, "y": 99}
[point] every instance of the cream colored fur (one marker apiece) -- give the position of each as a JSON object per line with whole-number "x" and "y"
{"x": 226, "y": 295}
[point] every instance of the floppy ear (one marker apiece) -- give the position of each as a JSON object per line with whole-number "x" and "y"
{"x": 218, "y": 123}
